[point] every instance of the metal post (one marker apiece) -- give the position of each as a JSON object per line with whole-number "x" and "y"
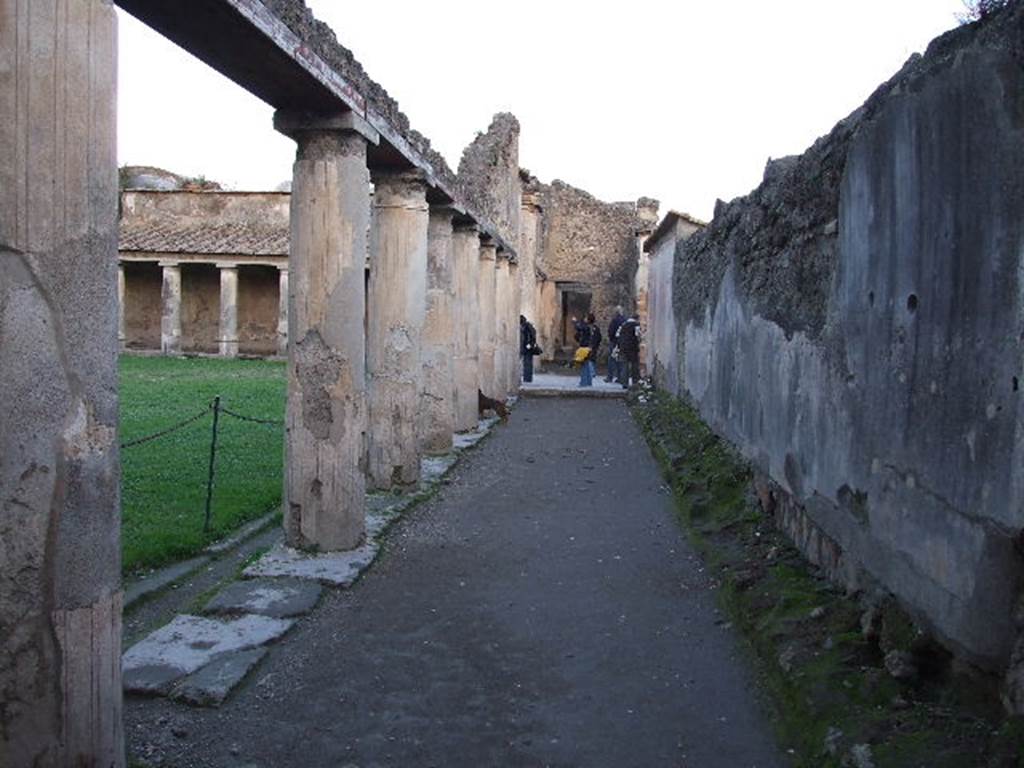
{"x": 213, "y": 457}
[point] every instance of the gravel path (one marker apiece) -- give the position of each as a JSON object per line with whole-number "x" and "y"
{"x": 542, "y": 610}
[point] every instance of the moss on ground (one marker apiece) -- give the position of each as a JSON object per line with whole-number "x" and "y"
{"x": 826, "y": 681}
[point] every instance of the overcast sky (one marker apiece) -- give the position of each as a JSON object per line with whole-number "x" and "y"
{"x": 683, "y": 101}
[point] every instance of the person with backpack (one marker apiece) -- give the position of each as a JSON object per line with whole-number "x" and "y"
{"x": 614, "y": 356}
{"x": 628, "y": 340}
{"x": 527, "y": 347}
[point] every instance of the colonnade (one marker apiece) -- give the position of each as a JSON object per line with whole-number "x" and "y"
{"x": 371, "y": 386}
{"x": 382, "y": 370}
{"x": 171, "y": 308}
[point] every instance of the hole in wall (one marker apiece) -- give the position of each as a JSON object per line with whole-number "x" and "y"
{"x": 1016, "y": 384}
{"x": 912, "y": 302}
{"x": 871, "y": 298}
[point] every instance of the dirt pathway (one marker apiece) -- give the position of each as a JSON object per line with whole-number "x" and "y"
{"x": 543, "y": 610}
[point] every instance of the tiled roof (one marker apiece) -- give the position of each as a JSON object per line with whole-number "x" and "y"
{"x": 241, "y": 239}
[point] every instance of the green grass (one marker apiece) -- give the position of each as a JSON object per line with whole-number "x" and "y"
{"x": 163, "y": 482}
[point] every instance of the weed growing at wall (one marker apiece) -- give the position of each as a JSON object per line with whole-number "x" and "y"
{"x": 163, "y": 482}
{"x": 822, "y": 663}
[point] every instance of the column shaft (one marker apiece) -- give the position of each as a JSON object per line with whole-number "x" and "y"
{"x": 502, "y": 351}
{"x": 466, "y": 247}
{"x": 282, "y": 312}
{"x": 516, "y": 374}
{"x": 397, "y": 305}
{"x": 60, "y": 554}
{"x": 486, "y": 318}
{"x": 121, "y": 336}
{"x": 326, "y": 410}
{"x": 228, "y": 331}
{"x": 437, "y": 407}
{"x": 170, "y": 317}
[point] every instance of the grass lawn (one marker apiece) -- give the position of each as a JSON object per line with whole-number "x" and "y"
{"x": 163, "y": 482}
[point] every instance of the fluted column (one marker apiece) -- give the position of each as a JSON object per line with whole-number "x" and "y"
{"x": 397, "y": 306}
{"x": 170, "y": 314}
{"x": 228, "y": 331}
{"x": 437, "y": 407}
{"x": 466, "y": 250}
{"x": 60, "y": 554}
{"x": 326, "y": 410}
{"x": 282, "y": 311}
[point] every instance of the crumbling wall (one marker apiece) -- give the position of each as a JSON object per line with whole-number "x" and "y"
{"x": 488, "y": 177}
{"x": 855, "y": 326}
{"x": 589, "y": 241}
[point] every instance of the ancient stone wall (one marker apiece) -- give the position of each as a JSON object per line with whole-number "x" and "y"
{"x": 268, "y": 209}
{"x": 143, "y": 283}
{"x": 488, "y": 177}
{"x": 587, "y": 242}
{"x": 854, "y": 326}
{"x": 200, "y": 308}
{"x": 258, "y": 303}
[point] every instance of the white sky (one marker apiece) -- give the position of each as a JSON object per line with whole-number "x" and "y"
{"x": 683, "y": 101}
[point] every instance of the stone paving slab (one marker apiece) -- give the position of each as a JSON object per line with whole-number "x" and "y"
{"x": 336, "y": 569}
{"x": 210, "y": 686}
{"x": 188, "y": 643}
{"x": 277, "y": 598}
{"x": 555, "y": 385}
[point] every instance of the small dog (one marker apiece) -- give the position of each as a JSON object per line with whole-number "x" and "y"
{"x": 485, "y": 403}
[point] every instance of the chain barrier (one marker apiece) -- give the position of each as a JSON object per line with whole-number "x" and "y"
{"x": 169, "y": 430}
{"x": 254, "y": 420}
{"x": 216, "y": 408}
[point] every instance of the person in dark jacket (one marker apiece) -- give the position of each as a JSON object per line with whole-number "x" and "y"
{"x": 527, "y": 346}
{"x": 628, "y": 339}
{"x": 588, "y": 335}
{"x": 614, "y": 358}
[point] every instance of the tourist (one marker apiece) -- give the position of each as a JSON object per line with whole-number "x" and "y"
{"x": 628, "y": 340}
{"x": 614, "y": 357}
{"x": 527, "y": 347}
{"x": 582, "y": 357}
{"x": 589, "y": 337}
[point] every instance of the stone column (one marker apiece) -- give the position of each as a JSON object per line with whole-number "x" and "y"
{"x": 466, "y": 248}
{"x": 228, "y": 331}
{"x": 397, "y": 306}
{"x": 516, "y": 309}
{"x": 170, "y": 316}
{"x": 502, "y": 363}
{"x": 326, "y": 409}
{"x": 486, "y": 293}
{"x": 60, "y": 554}
{"x": 121, "y": 335}
{"x": 282, "y": 311}
{"x": 437, "y": 408}
{"x": 529, "y": 240}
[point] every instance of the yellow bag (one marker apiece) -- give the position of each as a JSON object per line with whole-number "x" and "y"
{"x": 581, "y": 355}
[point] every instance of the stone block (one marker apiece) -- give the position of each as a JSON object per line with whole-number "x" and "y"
{"x": 212, "y": 684}
{"x": 278, "y": 598}
{"x": 189, "y": 643}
